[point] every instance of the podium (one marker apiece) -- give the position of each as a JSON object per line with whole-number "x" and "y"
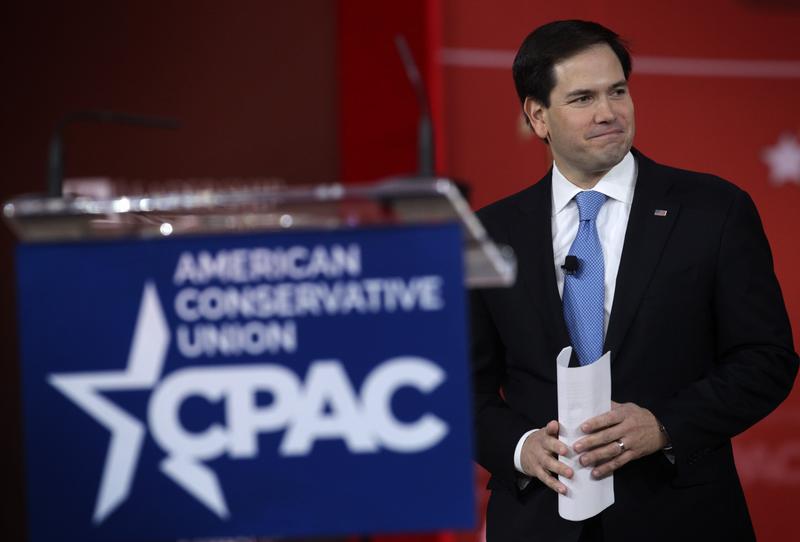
{"x": 271, "y": 362}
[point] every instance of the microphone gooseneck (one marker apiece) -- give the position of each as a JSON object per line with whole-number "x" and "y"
{"x": 55, "y": 155}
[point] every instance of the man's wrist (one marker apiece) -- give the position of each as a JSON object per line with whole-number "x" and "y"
{"x": 667, "y": 447}
{"x": 518, "y": 452}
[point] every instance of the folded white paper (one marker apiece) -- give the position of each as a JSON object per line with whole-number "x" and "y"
{"x": 583, "y": 392}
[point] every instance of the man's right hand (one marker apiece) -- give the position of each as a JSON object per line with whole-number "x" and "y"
{"x": 539, "y": 459}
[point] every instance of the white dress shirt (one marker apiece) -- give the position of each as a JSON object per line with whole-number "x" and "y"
{"x": 612, "y": 222}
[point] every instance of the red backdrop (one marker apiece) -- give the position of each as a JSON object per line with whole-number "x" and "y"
{"x": 715, "y": 84}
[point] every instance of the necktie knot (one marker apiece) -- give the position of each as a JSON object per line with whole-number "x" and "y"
{"x": 589, "y": 204}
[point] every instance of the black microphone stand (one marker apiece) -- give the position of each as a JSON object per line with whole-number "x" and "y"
{"x": 55, "y": 158}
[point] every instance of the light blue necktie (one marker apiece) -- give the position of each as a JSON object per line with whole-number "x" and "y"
{"x": 584, "y": 290}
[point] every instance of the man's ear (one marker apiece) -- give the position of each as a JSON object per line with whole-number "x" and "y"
{"x": 537, "y": 115}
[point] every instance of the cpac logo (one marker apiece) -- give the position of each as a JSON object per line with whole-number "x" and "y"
{"x": 325, "y": 406}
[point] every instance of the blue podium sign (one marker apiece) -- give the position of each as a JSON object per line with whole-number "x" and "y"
{"x": 302, "y": 383}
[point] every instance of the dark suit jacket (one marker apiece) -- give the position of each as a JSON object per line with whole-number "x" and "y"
{"x": 698, "y": 334}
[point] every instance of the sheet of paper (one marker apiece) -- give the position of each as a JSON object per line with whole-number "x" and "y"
{"x": 583, "y": 392}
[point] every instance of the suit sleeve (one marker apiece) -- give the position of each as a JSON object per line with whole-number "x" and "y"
{"x": 755, "y": 363}
{"x": 498, "y": 429}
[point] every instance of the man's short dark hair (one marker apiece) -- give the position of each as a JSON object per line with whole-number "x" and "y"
{"x": 554, "y": 42}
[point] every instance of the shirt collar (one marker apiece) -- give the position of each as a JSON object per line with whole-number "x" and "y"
{"x": 617, "y": 184}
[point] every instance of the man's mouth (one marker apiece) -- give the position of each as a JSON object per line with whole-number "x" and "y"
{"x": 606, "y": 133}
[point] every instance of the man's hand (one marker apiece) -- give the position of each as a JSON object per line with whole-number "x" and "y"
{"x": 633, "y": 426}
{"x": 538, "y": 457}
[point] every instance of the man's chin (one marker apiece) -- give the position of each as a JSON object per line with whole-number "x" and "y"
{"x": 610, "y": 157}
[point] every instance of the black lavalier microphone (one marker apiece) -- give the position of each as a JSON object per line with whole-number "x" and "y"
{"x": 571, "y": 264}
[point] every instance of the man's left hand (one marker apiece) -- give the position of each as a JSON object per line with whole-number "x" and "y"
{"x": 623, "y": 434}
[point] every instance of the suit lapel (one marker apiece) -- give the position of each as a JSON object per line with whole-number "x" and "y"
{"x": 653, "y": 214}
{"x": 532, "y": 239}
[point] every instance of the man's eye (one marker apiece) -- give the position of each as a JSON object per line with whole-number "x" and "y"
{"x": 619, "y": 91}
{"x": 582, "y": 100}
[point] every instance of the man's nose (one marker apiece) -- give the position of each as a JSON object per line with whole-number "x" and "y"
{"x": 604, "y": 111}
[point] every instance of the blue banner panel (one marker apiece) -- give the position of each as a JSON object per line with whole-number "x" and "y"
{"x": 301, "y": 383}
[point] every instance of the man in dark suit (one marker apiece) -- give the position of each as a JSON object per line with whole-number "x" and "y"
{"x": 688, "y": 305}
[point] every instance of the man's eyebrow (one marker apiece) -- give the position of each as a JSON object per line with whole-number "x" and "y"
{"x": 578, "y": 92}
{"x": 584, "y": 91}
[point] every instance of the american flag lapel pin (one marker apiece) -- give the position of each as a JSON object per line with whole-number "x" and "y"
{"x": 660, "y": 212}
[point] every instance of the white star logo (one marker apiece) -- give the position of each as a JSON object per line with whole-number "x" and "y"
{"x": 783, "y": 160}
{"x": 145, "y": 360}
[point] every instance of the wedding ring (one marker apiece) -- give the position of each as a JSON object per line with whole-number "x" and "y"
{"x": 621, "y": 445}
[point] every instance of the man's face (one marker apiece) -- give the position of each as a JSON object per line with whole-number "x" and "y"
{"x": 590, "y": 122}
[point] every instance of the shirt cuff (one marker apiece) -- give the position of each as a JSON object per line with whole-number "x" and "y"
{"x": 518, "y": 452}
